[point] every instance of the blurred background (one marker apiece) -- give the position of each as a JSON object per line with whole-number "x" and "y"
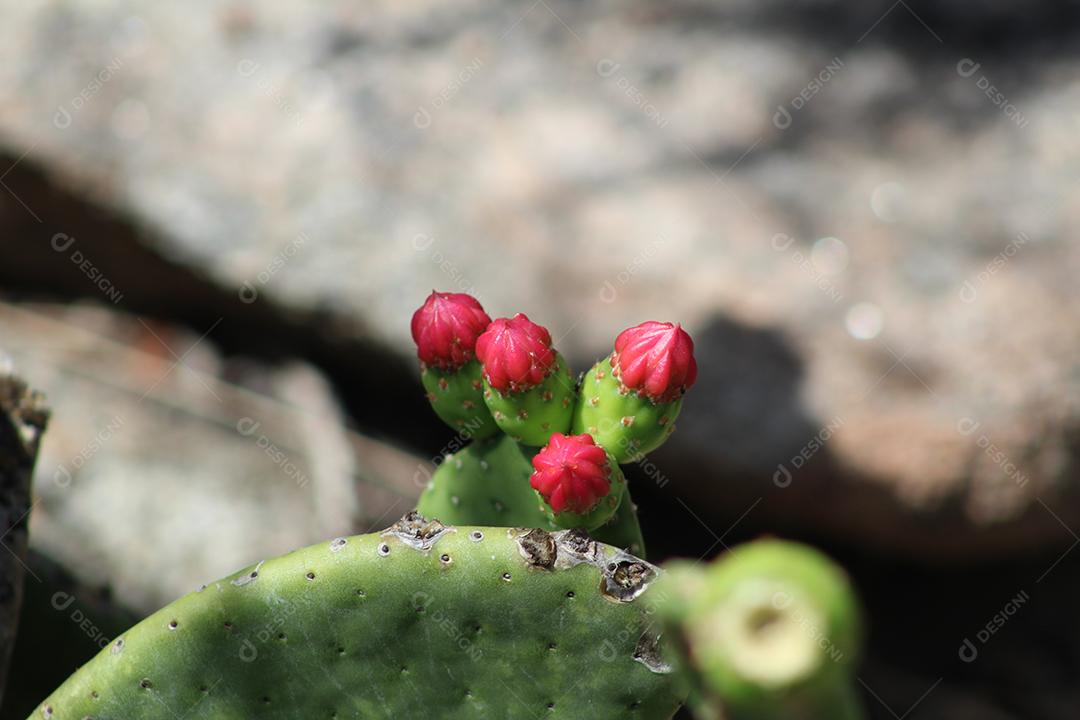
{"x": 216, "y": 219}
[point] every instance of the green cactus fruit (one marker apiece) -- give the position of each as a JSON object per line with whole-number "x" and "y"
{"x": 580, "y": 484}
{"x": 630, "y": 400}
{"x": 457, "y": 396}
{"x": 532, "y": 416}
{"x": 771, "y": 631}
{"x": 626, "y": 423}
{"x": 445, "y": 329}
{"x": 487, "y": 483}
{"x": 527, "y": 384}
{"x": 422, "y": 620}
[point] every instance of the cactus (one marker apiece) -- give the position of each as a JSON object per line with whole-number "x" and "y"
{"x": 487, "y": 610}
{"x": 445, "y": 329}
{"x": 770, "y": 631}
{"x": 527, "y": 384}
{"x": 477, "y": 622}
{"x": 578, "y": 480}
{"x": 487, "y": 483}
{"x": 629, "y": 400}
{"x": 530, "y": 396}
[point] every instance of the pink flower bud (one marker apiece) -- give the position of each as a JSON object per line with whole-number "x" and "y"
{"x": 656, "y": 359}
{"x": 516, "y": 353}
{"x": 446, "y": 327}
{"x": 571, "y": 473}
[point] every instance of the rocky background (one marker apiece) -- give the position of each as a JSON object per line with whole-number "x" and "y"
{"x": 216, "y": 219}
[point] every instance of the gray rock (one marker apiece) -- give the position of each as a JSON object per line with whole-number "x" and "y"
{"x": 159, "y": 475}
{"x": 858, "y": 235}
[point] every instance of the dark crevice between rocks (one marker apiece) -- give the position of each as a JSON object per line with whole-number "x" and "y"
{"x": 23, "y": 417}
{"x": 64, "y": 623}
{"x": 380, "y": 388}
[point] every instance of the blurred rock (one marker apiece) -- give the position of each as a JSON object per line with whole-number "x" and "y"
{"x": 874, "y": 253}
{"x": 167, "y": 466}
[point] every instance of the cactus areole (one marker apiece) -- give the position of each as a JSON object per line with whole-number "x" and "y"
{"x": 445, "y": 329}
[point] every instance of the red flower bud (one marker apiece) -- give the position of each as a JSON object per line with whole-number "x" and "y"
{"x": 571, "y": 473}
{"x": 446, "y": 327}
{"x": 516, "y": 353}
{"x": 656, "y": 359}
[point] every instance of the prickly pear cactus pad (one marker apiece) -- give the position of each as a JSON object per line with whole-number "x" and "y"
{"x": 487, "y": 483}
{"x": 422, "y": 620}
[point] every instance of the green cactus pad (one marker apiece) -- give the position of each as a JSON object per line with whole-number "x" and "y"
{"x": 457, "y": 397}
{"x": 771, "y": 631}
{"x": 422, "y": 620}
{"x": 625, "y": 423}
{"x": 487, "y": 483}
{"x": 603, "y": 512}
{"x": 531, "y": 417}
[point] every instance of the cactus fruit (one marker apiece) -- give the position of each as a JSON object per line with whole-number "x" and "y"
{"x": 420, "y": 620}
{"x": 487, "y": 483}
{"x": 445, "y": 329}
{"x": 770, "y": 631}
{"x": 578, "y": 480}
{"x": 629, "y": 400}
{"x": 527, "y": 384}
